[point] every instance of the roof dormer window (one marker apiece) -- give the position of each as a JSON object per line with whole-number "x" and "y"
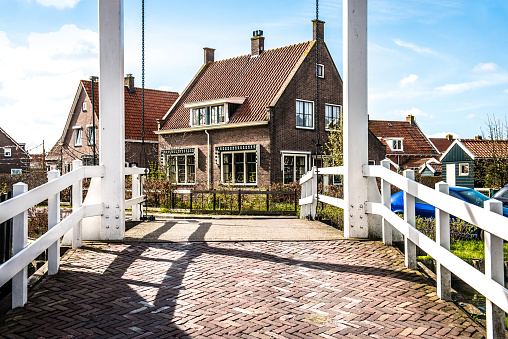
{"x": 213, "y": 112}
{"x": 395, "y": 144}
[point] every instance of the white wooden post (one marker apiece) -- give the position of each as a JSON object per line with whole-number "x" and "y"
{"x": 494, "y": 269}
{"x": 135, "y": 193}
{"x": 53, "y": 219}
{"x": 444, "y": 287}
{"x": 387, "y": 201}
{"x": 141, "y": 189}
{"x": 409, "y": 217}
{"x": 19, "y": 241}
{"x": 355, "y": 117}
{"x": 77, "y": 201}
{"x": 303, "y": 208}
{"x": 314, "y": 189}
{"x": 112, "y": 121}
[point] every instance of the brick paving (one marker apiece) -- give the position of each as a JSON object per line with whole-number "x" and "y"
{"x": 327, "y": 289}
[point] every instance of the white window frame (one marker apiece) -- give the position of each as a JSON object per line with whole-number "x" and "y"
{"x": 322, "y": 70}
{"x": 168, "y": 161}
{"x": 89, "y": 141}
{"x": 395, "y": 149}
{"x": 294, "y": 155}
{"x": 76, "y": 133}
{"x": 462, "y": 173}
{"x": 84, "y": 106}
{"x": 312, "y": 115}
{"x": 16, "y": 171}
{"x": 7, "y": 152}
{"x": 233, "y": 183}
{"x": 208, "y": 115}
{"x": 338, "y": 118}
{"x": 372, "y": 162}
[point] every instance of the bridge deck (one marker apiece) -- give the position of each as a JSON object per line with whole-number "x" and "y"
{"x": 272, "y": 289}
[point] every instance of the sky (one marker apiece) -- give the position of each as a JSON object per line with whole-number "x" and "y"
{"x": 443, "y": 61}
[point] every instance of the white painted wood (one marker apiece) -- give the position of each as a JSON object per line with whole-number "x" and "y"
{"x": 494, "y": 269}
{"x": 53, "y": 220}
{"x": 314, "y": 190}
{"x": 444, "y": 287}
{"x": 77, "y": 200}
{"x": 29, "y": 253}
{"x": 355, "y": 117}
{"x": 135, "y": 193}
{"x": 386, "y": 195}
{"x": 307, "y": 200}
{"x": 134, "y": 170}
{"x": 134, "y": 202}
{"x": 112, "y": 121}
{"x": 19, "y": 242}
{"x": 332, "y": 201}
{"x": 94, "y": 171}
{"x": 332, "y": 170}
{"x": 450, "y": 174}
{"x": 409, "y": 217}
{"x": 308, "y": 176}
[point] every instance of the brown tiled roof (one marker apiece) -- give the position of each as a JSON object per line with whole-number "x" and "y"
{"x": 437, "y": 167}
{"x": 486, "y": 148}
{"x": 257, "y": 78}
{"x": 157, "y": 103}
{"x": 414, "y": 142}
{"x": 441, "y": 144}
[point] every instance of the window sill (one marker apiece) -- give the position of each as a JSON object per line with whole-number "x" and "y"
{"x": 301, "y": 127}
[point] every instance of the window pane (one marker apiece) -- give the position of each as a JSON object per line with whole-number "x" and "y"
{"x": 288, "y": 169}
{"x": 195, "y": 116}
{"x": 172, "y": 168}
{"x": 239, "y": 168}
{"x": 220, "y": 110}
{"x": 77, "y": 137}
{"x": 251, "y": 167}
{"x": 191, "y": 169}
{"x": 299, "y": 167}
{"x": 181, "y": 168}
{"x": 213, "y": 115}
{"x": 227, "y": 168}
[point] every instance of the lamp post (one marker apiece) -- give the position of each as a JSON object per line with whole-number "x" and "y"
{"x": 94, "y": 79}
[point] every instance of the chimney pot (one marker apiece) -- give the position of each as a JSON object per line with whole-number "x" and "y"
{"x": 209, "y": 54}
{"x": 449, "y": 137}
{"x": 257, "y": 43}
{"x": 318, "y": 30}
{"x": 478, "y": 137}
{"x": 411, "y": 119}
{"x": 129, "y": 83}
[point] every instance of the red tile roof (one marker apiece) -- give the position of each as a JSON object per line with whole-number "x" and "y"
{"x": 414, "y": 141}
{"x": 441, "y": 144}
{"x": 486, "y": 148}
{"x": 157, "y": 103}
{"x": 257, "y": 78}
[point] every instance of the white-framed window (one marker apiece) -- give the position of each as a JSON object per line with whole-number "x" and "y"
{"x": 304, "y": 114}
{"x": 84, "y": 106}
{"x": 239, "y": 167}
{"x": 326, "y": 161}
{"x": 78, "y": 131}
{"x": 210, "y": 115}
{"x": 182, "y": 168}
{"x": 16, "y": 171}
{"x": 395, "y": 144}
{"x": 320, "y": 71}
{"x": 90, "y": 135}
{"x": 464, "y": 169}
{"x": 333, "y": 114}
{"x": 294, "y": 166}
{"x": 7, "y": 152}
{"x": 67, "y": 167}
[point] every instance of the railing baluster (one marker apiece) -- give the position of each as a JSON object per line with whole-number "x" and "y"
{"x": 19, "y": 241}
{"x": 409, "y": 217}
{"x": 494, "y": 269}
{"x": 77, "y": 200}
{"x": 386, "y": 198}
{"x": 135, "y": 193}
{"x": 443, "y": 239}
{"x": 53, "y": 219}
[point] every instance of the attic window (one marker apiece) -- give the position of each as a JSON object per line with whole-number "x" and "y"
{"x": 395, "y": 144}
{"x": 84, "y": 106}
{"x": 7, "y": 152}
{"x": 78, "y": 135}
{"x": 320, "y": 71}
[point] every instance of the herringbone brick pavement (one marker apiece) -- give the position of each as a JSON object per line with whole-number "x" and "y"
{"x": 332, "y": 289}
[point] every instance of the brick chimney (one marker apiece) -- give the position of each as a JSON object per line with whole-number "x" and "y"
{"x": 478, "y": 137}
{"x": 318, "y": 29}
{"x": 449, "y": 137}
{"x": 411, "y": 119}
{"x": 129, "y": 83}
{"x": 257, "y": 43}
{"x": 209, "y": 54}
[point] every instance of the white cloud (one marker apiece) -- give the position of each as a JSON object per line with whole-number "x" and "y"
{"x": 470, "y": 116}
{"x": 490, "y": 80}
{"x": 415, "y": 48}
{"x": 165, "y": 88}
{"x": 416, "y": 112}
{"x": 60, "y": 4}
{"x": 39, "y": 81}
{"x": 488, "y": 67}
{"x": 408, "y": 80}
{"x": 443, "y": 135}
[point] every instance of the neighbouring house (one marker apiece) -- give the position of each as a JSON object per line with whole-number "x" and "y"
{"x": 14, "y": 159}
{"x": 77, "y": 139}
{"x": 433, "y": 166}
{"x": 253, "y": 120}
{"x": 406, "y": 145}
{"x": 463, "y": 159}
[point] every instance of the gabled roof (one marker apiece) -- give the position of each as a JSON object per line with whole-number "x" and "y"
{"x": 260, "y": 79}
{"x": 414, "y": 141}
{"x": 441, "y": 144}
{"x": 481, "y": 149}
{"x": 157, "y": 103}
{"x": 14, "y": 143}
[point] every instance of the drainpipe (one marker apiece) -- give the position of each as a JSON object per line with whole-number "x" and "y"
{"x": 208, "y": 159}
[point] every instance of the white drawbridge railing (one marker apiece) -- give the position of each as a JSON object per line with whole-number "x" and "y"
{"x": 16, "y": 208}
{"x": 489, "y": 219}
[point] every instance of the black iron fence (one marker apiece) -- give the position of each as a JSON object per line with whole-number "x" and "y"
{"x": 235, "y": 202}
{"x": 5, "y": 233}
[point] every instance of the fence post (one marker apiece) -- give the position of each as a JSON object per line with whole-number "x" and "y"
{"x": 77, "y": 200}
{"x": 135, "y": 193}
{"x": 494, "y": 269}
{"x": 296, "y": 201}
{"x": 214, "y": 197}
{"x": 314, "y": 190}
{"x": 443, "y": 239}
{"x": 53, "y": 219}
{"x": 19, "y": 241}
{"x": 190, "y": 200}
{"x": 387, "y": 201}
{"x": 239, "y": 201}
{"x": 409, "y": 217}
{"x": 303, "y": 208}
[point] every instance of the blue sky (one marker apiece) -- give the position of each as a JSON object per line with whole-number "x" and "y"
{"x": 446, "y": 61}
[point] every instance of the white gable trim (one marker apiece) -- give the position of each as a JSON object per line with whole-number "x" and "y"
{"x": 212, "y": 102}
{"x": 461, "y": 145}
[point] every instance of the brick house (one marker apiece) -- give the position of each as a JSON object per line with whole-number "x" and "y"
{"x": 406, "y": 145}
{"x": 252, "y": 120}
{"x": 14, "y": 159}
{"x": 76, "y": 141}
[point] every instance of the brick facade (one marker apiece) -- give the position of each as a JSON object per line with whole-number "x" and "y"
{"x": 12, "y": 155}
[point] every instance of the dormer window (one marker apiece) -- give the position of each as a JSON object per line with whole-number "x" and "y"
{"x": 395, "y": 144}
{"x": 213, "y": 112}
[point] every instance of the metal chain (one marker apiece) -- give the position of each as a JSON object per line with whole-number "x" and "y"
{"x": 318, "y": 144}
{"x": 142, "y": 82}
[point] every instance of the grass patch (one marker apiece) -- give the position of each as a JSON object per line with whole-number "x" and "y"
{"x": 469, "y": 250}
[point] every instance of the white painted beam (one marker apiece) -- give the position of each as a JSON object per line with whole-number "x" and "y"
{"x": 19, "y": 242}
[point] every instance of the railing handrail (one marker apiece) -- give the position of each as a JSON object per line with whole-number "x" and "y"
{"x": 189, "y": 191}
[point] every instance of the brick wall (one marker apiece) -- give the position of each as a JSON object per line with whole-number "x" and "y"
{"x": 17, "y": 160}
